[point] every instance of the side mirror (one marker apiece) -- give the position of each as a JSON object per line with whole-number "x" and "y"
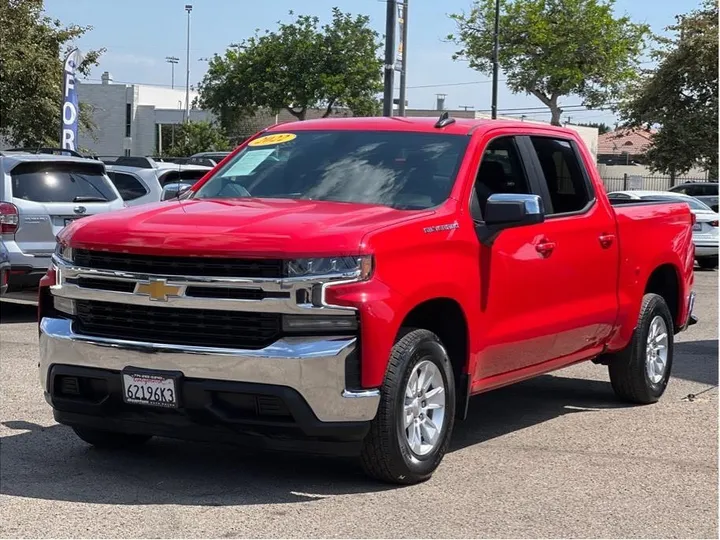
{"x": 174, "y": 190}
{"x": 509, "y": 210}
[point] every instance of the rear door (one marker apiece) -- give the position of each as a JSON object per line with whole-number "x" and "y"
{"x": 48, "y": 195}
{"x": 582, "y": 230}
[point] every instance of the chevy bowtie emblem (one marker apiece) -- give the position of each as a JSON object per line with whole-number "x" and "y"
{"x": 157, "y": 289}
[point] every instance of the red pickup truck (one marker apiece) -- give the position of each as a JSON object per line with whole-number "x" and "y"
{"x": 346, "y": 285}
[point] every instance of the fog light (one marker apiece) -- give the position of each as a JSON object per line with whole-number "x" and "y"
{"x": 314, "y": 323}
{"x": 65, "y": 305}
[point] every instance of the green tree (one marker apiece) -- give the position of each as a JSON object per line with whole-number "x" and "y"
{"x": 602, "y": 127}
{"x": 194, "y": 137}
{"x": 554, "y": 48}
{"x": 31, "y": 73}
{"x": 299, "y": 66}
{"x": 680, "y": 96}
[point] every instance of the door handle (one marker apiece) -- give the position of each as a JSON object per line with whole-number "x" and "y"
{"x": 545, "y": 248}
{"x": 606, "y": 240}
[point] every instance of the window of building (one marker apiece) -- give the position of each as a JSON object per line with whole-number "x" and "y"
{"x": 128, "y": 119}
{"x": 130, "y": 188}
{"x": 566, "y": 181}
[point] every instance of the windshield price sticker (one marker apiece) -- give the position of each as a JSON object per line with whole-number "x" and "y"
{"x": 275, "y": 138}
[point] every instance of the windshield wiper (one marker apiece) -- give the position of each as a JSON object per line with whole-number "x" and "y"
{"x": 89, "y": 198}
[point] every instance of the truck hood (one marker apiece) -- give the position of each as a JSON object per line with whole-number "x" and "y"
{"x": 236, "y": 227}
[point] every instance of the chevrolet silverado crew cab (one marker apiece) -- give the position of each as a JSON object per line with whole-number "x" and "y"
{"x": 346, "y": 285}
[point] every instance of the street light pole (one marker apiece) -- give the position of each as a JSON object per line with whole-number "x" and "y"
{"x": 403, "y": 72}
{"x": 186, "y": 116}
{"x": 389, "y": 53}
{"x": 496, "y": 52}
{"x": 172, "y": 60}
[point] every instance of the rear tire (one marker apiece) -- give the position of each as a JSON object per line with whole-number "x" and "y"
{"x": 391, "y": 451}
{"x": 110, "y": 439}
{"x": 708, "y": 263}
{"x": 640, "y": 373}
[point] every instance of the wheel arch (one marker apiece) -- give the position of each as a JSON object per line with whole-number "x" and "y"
{"x": 446, "y": 318}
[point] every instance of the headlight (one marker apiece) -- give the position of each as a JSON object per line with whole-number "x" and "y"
{"x": 359, "y": 267}
{"x": 64, "y": 252}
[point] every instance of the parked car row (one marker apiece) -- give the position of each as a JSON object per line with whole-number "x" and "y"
{"x": 40, "y": 193}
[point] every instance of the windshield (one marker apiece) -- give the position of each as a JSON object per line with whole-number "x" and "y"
{"x": 403, "y": 170}
{"x": 61, "y": 183}
{"x": 693, "y": 203}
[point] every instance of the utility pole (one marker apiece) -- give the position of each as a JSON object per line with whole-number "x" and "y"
{"x": 172, "y": 60}
{"x": 496, "y": 53}
{"x": 186, "y": 116}
{"x": 389, "y": 53}
{"x": 403, "y": 72}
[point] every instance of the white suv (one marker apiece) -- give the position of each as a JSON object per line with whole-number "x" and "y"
{"x": 39, "y": 195}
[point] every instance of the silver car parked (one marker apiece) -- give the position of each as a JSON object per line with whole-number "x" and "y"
{"x": 141, "y": 180}
{"x": 39, "y": 195}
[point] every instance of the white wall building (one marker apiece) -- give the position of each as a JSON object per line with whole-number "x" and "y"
{"x": 128, "y": 116}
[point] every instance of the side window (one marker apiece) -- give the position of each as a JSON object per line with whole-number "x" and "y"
{"x": 501, "y": 171}
{"x": 129, "y": 187}
{"x": 563, "y": 173}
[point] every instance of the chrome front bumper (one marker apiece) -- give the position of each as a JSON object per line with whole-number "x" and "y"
{"x": 314, "y": 367}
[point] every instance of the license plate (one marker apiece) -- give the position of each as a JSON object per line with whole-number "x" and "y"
{"x": 150, "y": 388}
{"x": 697, "y": 227}
{"x": 69, "y": 220}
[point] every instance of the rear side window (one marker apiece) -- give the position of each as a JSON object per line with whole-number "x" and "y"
{"x": 176, "y": 176}
{"x": 61, "y": 182}
{"x": 130, "y": 188}
{"x": 566, "y": 181}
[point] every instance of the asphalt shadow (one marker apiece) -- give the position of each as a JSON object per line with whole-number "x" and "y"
{"x": 696, "y": 361}
{"x": 51, "y": 463}
{"x": 13, "y": 313}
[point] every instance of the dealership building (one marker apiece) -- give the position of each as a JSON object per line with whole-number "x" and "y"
{"x": 128, "y": 117}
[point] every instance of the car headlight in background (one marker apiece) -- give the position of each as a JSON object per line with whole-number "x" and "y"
{"x": 64, "y": 252}
{"x": 359, "y": 267}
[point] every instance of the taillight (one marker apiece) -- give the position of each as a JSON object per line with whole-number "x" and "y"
{"x": 8, "y": 218}
{"x": 713, "y": 223}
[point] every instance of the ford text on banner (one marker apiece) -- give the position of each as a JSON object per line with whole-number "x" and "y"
{"x": 70, "y": 110}
{"x": 400, "y": 21}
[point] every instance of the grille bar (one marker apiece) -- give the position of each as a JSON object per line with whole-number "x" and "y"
{"x": 202, "y": 327}
{"x": 181, "y": 266}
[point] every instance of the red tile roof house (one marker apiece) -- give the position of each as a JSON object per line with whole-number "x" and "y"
{"x": 624, "y": 146}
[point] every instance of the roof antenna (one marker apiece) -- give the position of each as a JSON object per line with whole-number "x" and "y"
{"x": 444, "y": 120}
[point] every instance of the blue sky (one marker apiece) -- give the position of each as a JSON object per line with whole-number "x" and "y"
{"x": 139, "y": 34}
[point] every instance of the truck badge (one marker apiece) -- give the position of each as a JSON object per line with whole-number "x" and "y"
{"x": 157, "y": 289}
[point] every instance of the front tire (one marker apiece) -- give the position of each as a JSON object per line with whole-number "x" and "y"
{"x": 110, "y": 440}
{"x": 640, "y": 372}
{"x": 411, "y": 431}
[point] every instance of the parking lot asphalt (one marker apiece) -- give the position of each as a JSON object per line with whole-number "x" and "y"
{"x": 556, "y": 456}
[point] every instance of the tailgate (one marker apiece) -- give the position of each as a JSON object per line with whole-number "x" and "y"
{"x": 48, "y": 195}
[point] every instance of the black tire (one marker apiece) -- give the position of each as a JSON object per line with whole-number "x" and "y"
{"x": 110, "y": 439}
{"x": 708, "y": 263}
{"x": 386, "y": 454}
{"x": 628, "y": 374}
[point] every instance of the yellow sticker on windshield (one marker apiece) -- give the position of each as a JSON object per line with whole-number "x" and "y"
{"x": 275, "y": 138}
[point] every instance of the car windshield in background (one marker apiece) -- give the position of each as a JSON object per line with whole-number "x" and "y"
{"x": 61, "y": 183}
{"x": 693, "y": 203}
{"x": 404, "y": 170}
